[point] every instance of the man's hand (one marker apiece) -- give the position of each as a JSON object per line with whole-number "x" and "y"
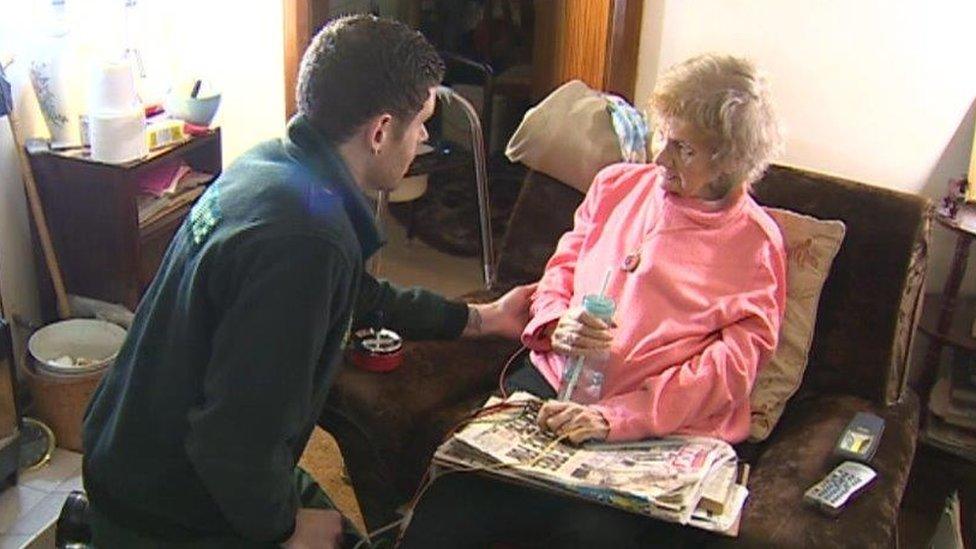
{"x": 577, "y": 421}
{"x": 506, "y": 317}
{"x": 315, "y": 528}
{"x": 579, "y": 333}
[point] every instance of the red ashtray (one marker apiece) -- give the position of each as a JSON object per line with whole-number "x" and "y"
{"x": 376, "y": 350}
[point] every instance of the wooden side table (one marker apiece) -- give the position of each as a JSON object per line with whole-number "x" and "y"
{"x": 947, "y": 320}
{"x": 92, "y": 209}
{"x": 940, "y": 320}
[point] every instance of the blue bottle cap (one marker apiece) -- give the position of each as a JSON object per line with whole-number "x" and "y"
{"x": 599, "y": 306}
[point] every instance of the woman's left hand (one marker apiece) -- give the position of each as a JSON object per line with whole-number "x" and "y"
{"x": 577, "y": 421}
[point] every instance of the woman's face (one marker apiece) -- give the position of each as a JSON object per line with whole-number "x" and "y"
{"x": 685, "y": 153}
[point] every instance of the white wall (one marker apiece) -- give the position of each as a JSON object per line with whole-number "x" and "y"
{"x": 238, "y": 47}
{"x": 880, "y": 91}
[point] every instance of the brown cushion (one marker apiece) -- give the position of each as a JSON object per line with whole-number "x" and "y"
{"x": 542, "y": 213}
{"x": 798, "y": 455}
{"x": 568, "y": 136}
{"x": 811, "y": 245}
{"x": 865, "y": 321}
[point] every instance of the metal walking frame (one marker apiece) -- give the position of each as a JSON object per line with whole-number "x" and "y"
{"x": 448, "y": 96}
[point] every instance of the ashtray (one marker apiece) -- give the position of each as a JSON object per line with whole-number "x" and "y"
{"x": 376, "y": 350}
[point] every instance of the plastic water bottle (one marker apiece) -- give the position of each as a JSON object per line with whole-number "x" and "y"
{"x": 583, "y": 381}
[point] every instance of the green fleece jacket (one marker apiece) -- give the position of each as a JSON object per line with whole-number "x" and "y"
{"x": 197, "y": 428}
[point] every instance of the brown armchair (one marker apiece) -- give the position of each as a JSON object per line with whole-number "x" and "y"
{"x": 388, "y": 425}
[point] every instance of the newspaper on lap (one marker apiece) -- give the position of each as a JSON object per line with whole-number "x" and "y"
{"x": 662, "y": 478}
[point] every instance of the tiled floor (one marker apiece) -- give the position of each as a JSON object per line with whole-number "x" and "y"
{"x": 29, "y": 510}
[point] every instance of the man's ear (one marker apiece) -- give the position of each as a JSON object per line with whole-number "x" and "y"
{"x": 379, "y": 132}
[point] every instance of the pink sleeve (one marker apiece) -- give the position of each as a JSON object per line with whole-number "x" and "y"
{"x": 715, "y": 381}
{"x": 555, "y": 290}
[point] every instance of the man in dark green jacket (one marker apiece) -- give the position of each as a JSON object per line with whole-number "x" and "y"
{"x": 192, "y": 439}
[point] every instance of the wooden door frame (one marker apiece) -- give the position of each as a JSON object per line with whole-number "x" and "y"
{"x": 623, "y": 48}
{"x": 297, "y": 27}
{"x": 620, "y": 73}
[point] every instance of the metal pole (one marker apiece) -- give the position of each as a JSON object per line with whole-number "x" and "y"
{"x": 382, "y": 202}
{"x": 481, "y": 180}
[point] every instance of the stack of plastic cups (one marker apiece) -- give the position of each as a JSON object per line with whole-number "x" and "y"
{"x": 117, "y": 119}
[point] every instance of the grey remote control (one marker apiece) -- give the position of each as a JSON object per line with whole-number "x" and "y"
{"x": 840, "y": 486}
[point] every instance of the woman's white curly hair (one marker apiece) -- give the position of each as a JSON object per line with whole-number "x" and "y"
{"x": 727, "y": 99}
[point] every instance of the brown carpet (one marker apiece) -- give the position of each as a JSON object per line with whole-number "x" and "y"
{"x": 446, "y": 216}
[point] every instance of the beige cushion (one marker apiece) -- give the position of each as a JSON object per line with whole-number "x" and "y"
{"x": 811, "y": 245}
{"x": 568, "y": 136}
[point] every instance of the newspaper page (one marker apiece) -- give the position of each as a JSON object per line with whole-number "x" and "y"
{"x": 660, "y": 477}
{"x": 726, "y": 520}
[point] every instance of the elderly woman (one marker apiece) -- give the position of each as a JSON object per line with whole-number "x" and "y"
{"x": 697, "y": 272}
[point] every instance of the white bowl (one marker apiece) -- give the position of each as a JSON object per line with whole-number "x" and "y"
{"x": 195, "y": 110}
{"x": 410, "y": 188}
{"x": 97, "y": 341}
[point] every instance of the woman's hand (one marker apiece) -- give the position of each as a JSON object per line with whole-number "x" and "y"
{"x": 577, "y": 422}
{"x": 579, "y": 333}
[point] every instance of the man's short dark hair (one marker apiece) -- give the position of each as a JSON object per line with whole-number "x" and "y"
{"x": 360, "y": 66}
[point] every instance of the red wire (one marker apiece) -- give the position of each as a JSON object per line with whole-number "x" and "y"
{"x": 425, "y": 480}
{"x": 501, "y": 376}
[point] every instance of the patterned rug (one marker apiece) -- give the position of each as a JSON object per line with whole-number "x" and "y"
{"x": 446, "y": 216}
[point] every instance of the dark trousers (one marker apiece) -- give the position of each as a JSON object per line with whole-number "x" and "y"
{"x": 107, "y": 534}
{"x": 525, "y": 377}
{"x": 474, "y": 510}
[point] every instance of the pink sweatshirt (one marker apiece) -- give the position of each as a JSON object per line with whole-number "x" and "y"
{"x": 695, "y": 320}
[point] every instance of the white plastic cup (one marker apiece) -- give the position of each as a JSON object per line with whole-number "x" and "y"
{"x": 118, "y": 137}
{"x": 113, "y": 87}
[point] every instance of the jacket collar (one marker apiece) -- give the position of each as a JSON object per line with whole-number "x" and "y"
{"x": 308, "y": 146}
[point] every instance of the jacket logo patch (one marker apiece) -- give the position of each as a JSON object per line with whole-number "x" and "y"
{"x": 205, "y": 216}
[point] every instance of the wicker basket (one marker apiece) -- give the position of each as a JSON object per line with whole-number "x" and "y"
{"x": 60, "y": 402}
{"x": 62, "y": 391}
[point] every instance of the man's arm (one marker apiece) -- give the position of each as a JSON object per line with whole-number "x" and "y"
{"x": 419, "y": 314}
{"x": 414, "y": 313}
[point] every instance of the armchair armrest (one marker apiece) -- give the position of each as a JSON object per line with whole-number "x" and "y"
{"x": 797, "y": 456}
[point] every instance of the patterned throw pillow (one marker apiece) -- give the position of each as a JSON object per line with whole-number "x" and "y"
{"x": 811, "y": 245}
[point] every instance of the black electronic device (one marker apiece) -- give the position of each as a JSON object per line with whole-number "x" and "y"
{"x": 860, "y": 439}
